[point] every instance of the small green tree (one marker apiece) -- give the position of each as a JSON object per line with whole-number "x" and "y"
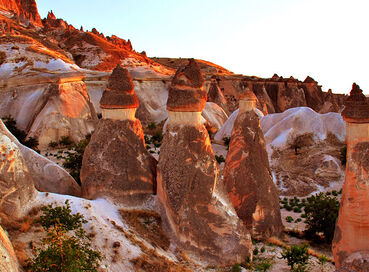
{"x": 73, "y": 161}
{"x": 297, "y": 257}
{"x": 66, "y": 247}
{"x": 321, "y": 212}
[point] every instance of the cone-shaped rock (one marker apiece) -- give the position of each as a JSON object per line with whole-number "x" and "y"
{"x": 186, "y": 93}
{"x": 247, "y": 176}
{"x": 350, "y": 244}
{"x": 116, "y": 163}
{"x": 196, "y": 209}
{"x": 119, "y": 93}
{"x": 216, "y": 96}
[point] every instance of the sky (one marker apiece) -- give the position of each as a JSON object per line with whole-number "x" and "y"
{"x": 326, "y": 39}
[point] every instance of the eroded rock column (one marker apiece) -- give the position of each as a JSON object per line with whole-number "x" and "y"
{"x": 247, "y": 176}
{"x": 196, "y": 208}
{"x": 116, "y": 164}
{"x": 350, "y": 244}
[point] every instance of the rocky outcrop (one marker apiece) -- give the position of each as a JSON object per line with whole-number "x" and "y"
{"x": 216, "y": 96}
{"x": 247, "y": 176}
{"x": 16, "y": 186}
{"x": 196, "y": 210}
{"x": 116, "y": 164}
{"x": 8, "y": 259}
{"x": 350, "y": 247}
{"x": 47, "y": 175}
{"x": 67, "y": 111}
{"x": 25, "y": 10}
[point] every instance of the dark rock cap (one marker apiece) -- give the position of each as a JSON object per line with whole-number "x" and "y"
{"x": 356, "y": 106}
{"x": 248, "y": 95}
{"x": 119, "y": 93}
{"x": 309, "y": 79}
{"x": 186, "y": 92}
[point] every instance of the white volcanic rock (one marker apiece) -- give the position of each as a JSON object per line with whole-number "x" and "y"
{"x": 47, "y": 175}
{"x": 226, "y": 129}
{"x": 214, "y": 115}
{"x": 281, "y": 128}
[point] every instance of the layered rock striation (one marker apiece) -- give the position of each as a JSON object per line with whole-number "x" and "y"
{"x": 116, "y": 164}
{"x": 247, "y": 176}
{"x": 196, "y": 209}
{"x": 350, "y": 244}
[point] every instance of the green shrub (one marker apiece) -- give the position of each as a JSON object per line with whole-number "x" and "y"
{"x": 219, "y": 159}
{"x": 255, "y": 251}
{"x": 289, "y": 219}
{"x": 236, "y": 268}
{"x": 151, "y": 126}
{"x": 53, "y": 144}
{"x": 147, "y": 139}
{"x": 227, "y": 141}
{"x": 65, "y": 141}
{"x": 321, "y": 215}
{"x": 73, "y": 160}
{"x": 66, "y": 247}
{"x": 297, "y": 257}
{"x": 322, "y": 261}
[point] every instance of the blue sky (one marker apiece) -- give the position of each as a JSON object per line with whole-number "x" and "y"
{"x": 326, "y": 39}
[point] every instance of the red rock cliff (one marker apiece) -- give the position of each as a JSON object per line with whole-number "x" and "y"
{"x": 25, "y": 9}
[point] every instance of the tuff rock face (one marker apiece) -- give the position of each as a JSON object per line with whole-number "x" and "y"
{"x": 247, "y": 176}
{"x": 16, "y": 186}
{"x": 350, "y": 244}
{"x": 196, "y": 210}
{"x": 8, "y": 259}
{"x": 123, "y": 170}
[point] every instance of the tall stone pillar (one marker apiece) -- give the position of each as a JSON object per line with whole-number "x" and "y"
{"x": 351, "y": 239}
{"x": 247, "y": 175}
{"x": 197, "y": 211}
{"x": 116, "y": 164}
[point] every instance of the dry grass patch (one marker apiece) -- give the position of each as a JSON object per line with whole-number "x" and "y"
{"x": 148, "y": 225}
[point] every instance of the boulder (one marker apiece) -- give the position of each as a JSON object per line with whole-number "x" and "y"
{"x": 247, "y": 175}
{"x": 8, "y": 259}
{"x": 16, "y": 182}
{"x": 47, "y": 175}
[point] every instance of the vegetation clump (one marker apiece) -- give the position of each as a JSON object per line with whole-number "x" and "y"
{"x": 66, "y": 247}
{"x": 297, "y": 257}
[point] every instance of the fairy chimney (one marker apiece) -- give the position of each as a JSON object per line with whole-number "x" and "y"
{"x": 196, "y": 209}
{"x": 247, "y": 175}
{"x": 350, "y": 244}
{"x": 124, "y": 170}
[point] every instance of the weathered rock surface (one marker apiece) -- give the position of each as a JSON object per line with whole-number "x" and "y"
{"x": 216, "y": 96}
{"x": 350, "y": 247}
{"x": 116, "y": 164}
{"x": 25, "y": 10}
{"x": 214, "y": 115}
{"x": 8, "y": 259}
{"x": 197, "y": 209}
{"x": 248, "y": 179}
{"x": 47, "y": 175}
{"x": 16, "y": 183}
{"x": 67, "y": 112}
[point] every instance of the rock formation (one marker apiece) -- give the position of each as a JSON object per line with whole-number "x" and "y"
{"x": 16, "y": 183}
{"x": 116, "y": 163}
{"x": 47, "y": 175}
{"x": 216, "y": 96}
{"x": 350, "y": 244}
{"x": 8, "y": 259}
{"x": 196, "y": 210}
{"x": 23, "y": 9}
{"x": 247, "y": 176}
